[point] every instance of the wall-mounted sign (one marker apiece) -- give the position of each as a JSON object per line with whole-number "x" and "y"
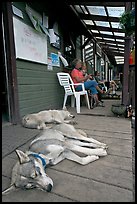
{"x": 29, "y": 43}
{"x": 17, "y": 12}
{"x": 49, "y": 67}
{"x": 57, "y": 43}
{"x": 55, "y": 60}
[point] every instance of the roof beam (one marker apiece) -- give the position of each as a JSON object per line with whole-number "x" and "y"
{"x": 85, "y": 43}
{"x": 90, "y": 48}
{"x": 98, "y": 17}
{"x": 110, "y": 41}
{"x": 87, "y": 32}
{"x": 112, "y": 53}
{"x": 101, "y": 28}
{"x": 107, "y": 36}
{"x": 94, "y": 3}
{"x": 109, "y": 45}
{"x": 88, "y": 58}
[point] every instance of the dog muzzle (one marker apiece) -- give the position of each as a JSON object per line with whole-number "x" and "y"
{"x": 72, "y": 116}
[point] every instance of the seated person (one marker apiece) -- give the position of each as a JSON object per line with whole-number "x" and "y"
{"x": 102, "y": 84}
{"x": 113, "y": 87}
{"x": 77, "y": 77}
{"x": 84, "y": 69}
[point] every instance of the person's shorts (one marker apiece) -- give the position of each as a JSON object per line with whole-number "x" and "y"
{"x": 89, "y": 85}
{"x": 93, "y": 90}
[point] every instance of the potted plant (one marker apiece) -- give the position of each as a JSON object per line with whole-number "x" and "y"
{"x": 127, "y": 22}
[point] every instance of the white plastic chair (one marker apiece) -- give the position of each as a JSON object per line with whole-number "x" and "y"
{"x": 69, "y": 87}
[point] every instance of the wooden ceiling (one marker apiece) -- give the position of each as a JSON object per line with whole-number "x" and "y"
{"x": 101, "y": 19}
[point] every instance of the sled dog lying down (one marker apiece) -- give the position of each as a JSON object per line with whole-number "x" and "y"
{"x": 50, "y": 147}
{"x": 40, "y": 119}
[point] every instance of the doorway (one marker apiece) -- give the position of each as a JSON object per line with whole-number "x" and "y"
{"x": 5, "y": 112}
{"x": 5, "y": 106}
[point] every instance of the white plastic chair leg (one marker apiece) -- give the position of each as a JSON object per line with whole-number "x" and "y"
{"x": 87, "y": 100}
{"x": 73, "y": 101}
{"x": 65, "y": 100}
{"x": 78, "y": 103}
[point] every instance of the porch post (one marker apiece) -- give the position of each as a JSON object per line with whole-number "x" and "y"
{"x": 125, "y": 89}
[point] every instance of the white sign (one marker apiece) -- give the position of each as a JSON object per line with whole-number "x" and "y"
{"x": 30, "y": 44}
{"x": 52, "y": 36}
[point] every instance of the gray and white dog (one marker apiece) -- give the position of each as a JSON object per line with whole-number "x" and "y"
{"x": 40, "y": 119}
{"x": 50, "y": 147}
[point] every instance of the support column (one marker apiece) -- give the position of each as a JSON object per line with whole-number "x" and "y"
{"x": 125, "y": 89}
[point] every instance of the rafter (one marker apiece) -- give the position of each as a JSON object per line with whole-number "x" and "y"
{"x": 83, "y": 12}
{"x": 98, "y": 17}
{"x": 94, "y": 3}
{"x": 107, "y": 36}
{"x": 86, "y": 42}
{"x": 108, "y": 45}
{"x": 110, "y": 52}
{"x": 101, "y": 28}
{"x": 110, "y": 41}
{"x": 88, "y": 49}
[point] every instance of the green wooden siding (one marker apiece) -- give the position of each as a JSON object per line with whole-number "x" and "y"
{"x": 38, "y": 88}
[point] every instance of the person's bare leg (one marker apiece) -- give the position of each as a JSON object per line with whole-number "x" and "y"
{"x": 95, "y": 96}
{"x": 113, "y": 88}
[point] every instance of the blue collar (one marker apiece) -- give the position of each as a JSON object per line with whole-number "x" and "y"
{"x": 42, "y": 159}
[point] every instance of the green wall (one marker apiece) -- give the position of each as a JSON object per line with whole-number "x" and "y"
{"x": 38, "y": 89}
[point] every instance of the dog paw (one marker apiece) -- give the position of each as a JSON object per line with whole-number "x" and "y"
{"x": 73, "y": 122}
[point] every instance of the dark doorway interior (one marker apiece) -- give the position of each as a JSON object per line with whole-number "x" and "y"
{"x": 5, "y": 112}
{"x": 5, "y": 115}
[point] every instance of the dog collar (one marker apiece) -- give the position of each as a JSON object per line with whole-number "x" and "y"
{"x": 41, "y": 158}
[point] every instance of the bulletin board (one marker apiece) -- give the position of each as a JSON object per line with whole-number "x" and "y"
{"x": 29, "y": 43}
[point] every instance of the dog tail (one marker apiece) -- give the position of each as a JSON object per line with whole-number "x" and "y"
{"x": 8, "y": 190}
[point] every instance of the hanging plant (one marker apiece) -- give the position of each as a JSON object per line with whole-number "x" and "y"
{"x": 127, "y": 22}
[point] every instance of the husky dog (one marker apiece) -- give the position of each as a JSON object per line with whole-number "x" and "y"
{"x": 40, "y": 119}
{"x": 50, "y": 147}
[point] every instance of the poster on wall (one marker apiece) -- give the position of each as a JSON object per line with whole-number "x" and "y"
{"x": 35, "y": 18}
{"x": 49, "y": 67}
{"x": 57, "y": 43}
{"x": 29, "y": 44}
{"x": 55, "y": 60}
{"x": 17, "y": 12}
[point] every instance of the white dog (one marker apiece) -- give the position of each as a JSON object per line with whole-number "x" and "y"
{"x": 52, "y": 146}
{"x": 40, "y": 119}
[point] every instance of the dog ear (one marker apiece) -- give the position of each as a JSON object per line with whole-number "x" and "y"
{"x": 23, "y": 158}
